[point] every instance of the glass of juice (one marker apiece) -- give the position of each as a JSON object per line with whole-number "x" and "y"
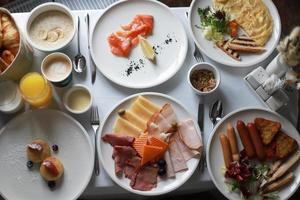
{"x": 36, "y": 90}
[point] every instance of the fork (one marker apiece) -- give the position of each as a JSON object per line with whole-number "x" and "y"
{"x": 95, "y": 122}
{"x": 197, "y": 54}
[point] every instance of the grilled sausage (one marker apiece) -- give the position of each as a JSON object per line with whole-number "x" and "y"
{"x": 233, "y": 143}
{"x": 226, "y": 150}
{"x": 256, "y": 141}
{"x": 245, "y": 138}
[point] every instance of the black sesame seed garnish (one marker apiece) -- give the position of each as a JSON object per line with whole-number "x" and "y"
{"x": 51, "y": 184}
{"x": 55, "y": 147}
{"x": 29, "y": 164}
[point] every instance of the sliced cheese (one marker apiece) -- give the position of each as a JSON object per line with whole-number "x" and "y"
{"x": 124, "y": 128}
{"x": 140, "y": 142}
{"x": 150, "y": 153}
{"x": 148, "y": 104}
{"x": 135, "y": 119}
{"x": 141, "y": 111}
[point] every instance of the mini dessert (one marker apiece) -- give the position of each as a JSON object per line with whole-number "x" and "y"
{"x": 38, "y": 150}
{"x": 51, "y": 169}
{"x": 203, "y": 80}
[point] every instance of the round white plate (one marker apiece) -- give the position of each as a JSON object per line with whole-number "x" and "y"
{"x": 105, "y": 150}
{"x": 75, "y": 151}
{"x": 168, "y": 61}
{"x": 216, "y": 54}
{"x": 214, "y": 151}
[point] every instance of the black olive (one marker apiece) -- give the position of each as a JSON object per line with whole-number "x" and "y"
{"x": 29, "y": 164}
{"x": 55, "y": 147}
{"x": 162, "y": 171}
{"x": 161, "y": 163}
{"x": 51, "y": 184}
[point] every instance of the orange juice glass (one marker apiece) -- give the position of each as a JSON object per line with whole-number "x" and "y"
{"x": 36, "y": 90}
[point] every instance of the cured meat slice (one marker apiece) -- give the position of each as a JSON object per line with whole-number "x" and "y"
{"x": 145, "y": 179}
{"x": 115, "y": 140}
{"x": 189, "y": 134}
{"x": 161, "y": 122}
{"x": 178, "y": 161}
{"x": 168, "y": 113}
{"x": 170, "y": 169}
{"x": 132, "y": 167}
{"x": 186, "y": 152}
{"x": 121, "y": 154}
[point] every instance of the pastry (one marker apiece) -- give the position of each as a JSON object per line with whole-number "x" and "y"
{"x": 51, "y": 169}
{"x": 38, "y": 150}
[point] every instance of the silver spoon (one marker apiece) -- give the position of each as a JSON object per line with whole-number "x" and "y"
{"x": 79, "y": 60}
{"x": 216, "y": 112}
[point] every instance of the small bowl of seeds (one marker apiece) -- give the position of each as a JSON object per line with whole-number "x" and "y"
{"x": 204, "y": 78}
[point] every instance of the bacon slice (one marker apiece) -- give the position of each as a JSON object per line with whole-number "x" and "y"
{"x": 189, "y": 134}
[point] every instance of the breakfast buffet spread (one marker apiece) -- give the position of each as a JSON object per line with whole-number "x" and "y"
{"x": 149, "y": 143}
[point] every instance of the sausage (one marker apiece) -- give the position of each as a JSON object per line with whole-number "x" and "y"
{"x": 256, "y": 140}
{"x": 233, "y": 143}
{"x": 226, "y": 150}
{"x": 245, "y": 138}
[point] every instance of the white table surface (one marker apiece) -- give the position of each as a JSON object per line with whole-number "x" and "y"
{"x": 232, "y": 91}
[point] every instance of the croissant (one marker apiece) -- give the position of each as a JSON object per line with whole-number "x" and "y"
{"x": 7, "y": 56}
{"x": 10, "y": 34}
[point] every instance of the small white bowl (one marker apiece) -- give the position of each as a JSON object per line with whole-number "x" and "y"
{"x": 207, "y": 66}
{"x": 73, "y": 89}
{"x": 50, "y": 6}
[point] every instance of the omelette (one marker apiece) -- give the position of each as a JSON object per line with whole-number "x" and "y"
{"x": 252, "y": 16}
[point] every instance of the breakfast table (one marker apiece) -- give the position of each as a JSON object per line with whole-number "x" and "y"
{"x": 233, "y": 92}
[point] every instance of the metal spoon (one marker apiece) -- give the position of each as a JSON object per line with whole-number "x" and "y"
{"x": 216, "y": 112}
{"x": 79, "y": 59}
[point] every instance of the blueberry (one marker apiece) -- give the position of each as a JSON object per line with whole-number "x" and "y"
{"x": 162, "y": 171}
{"x": 29, "y": 164}
{"x": 55, "y": 147}
{"x": 161, "y": 163}
{"x": 51, "y": 184}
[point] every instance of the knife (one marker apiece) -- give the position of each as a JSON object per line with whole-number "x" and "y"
{"x": 201, "y": 116}
{"x": 93, "y": 68}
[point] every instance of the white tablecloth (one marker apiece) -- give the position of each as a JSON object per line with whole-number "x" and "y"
{"x": 232, "y": 91}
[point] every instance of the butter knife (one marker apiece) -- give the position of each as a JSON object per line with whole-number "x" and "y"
{"x": 93, "y": 68}
{"x": 201, "y": 123}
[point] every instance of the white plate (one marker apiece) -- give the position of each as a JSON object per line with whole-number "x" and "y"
{"x": 216, "y": 54}
{"x": 75, "y": 151}
{"x": 105, "y": 149}
{"x": 168, "y": 62}
{"x": 214, "y": 151}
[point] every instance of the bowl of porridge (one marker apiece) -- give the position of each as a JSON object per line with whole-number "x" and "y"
{"x": 50, "y": 27}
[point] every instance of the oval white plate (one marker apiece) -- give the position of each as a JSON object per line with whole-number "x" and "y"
{"x": 216, "y": 54}
{"x": 168, "y": 62}
{"x": 55, "y": 127}
{"x": 214, "y": 151}
{"x": 105, "y": 149}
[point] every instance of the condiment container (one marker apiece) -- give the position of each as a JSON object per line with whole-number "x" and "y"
{"x": 78, "y": 99}
{"x": 57, "y": 68}
{"x": 204, "y": 66}
{"x": 22, "y": 61}
{"x": 10, "y": 99}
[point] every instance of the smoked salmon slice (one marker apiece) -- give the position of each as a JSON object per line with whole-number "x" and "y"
{"x": 122, "y": 42}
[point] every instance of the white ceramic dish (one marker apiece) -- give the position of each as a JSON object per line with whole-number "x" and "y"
{"x": 105, "y": 149}
{"x": 214, "y": 53}
{"x": 215, "y": 162}
{"x": 73, "y": 89}
{"x": 168, "y": 61}
{"x": 50, "y": 6}
{"x": 75, "y": 152}
{"x": 207, "y": 66}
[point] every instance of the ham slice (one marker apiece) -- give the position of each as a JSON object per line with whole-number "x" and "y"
{"x": 189, "y": 134}
{"x": 170, "y": 169}
{"x": 132, "y": 166}
{"x": 121, "y": 155}
{"x": 115, "y": 140}
{"x": 145, "y": 179}
{"x": 168, "y": 113}
{"x": 178, "y": 161}
{"x": 185, "y": 151}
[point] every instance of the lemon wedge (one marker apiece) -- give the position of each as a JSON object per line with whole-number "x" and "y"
{"x": 147, "y": 48}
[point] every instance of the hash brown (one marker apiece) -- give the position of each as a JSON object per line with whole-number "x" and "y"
{"x": 267, "y": 128}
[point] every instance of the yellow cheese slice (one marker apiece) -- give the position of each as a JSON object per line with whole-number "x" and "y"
{"x": 135, "y": 119}
{"x": 140, "y": 111}
{"x": 124, "y": 128}
{"x": 148, "y": 104}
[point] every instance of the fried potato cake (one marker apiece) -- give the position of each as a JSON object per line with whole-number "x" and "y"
{"x": 267, "y": 128}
